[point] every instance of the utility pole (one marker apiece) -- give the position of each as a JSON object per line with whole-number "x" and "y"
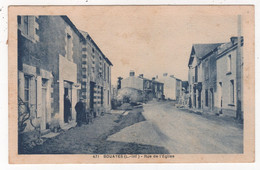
{"x": 239, "y": 72}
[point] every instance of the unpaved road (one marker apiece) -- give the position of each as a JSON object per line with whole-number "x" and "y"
{"x": 181, "y": 132}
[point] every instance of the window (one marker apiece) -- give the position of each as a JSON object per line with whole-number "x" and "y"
{"x": 232, "y": 90}
{"x": 108, "y": 74}
{"x": 229, "y": 63}
{"x": 27, "y": 90}
{"x": 104, "y": 71}
{"x": 26, "y": 25}
{"x": 69, "y": 47}
{"x": 206, "y": 70}
{"x": 19, "y": 20}
{"x": 108, "y": 97}
{"x": 196, "y": 74}
{"x": 206, "y": 98}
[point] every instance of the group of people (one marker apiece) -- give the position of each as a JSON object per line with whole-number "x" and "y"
{"x": 82, "y": 116}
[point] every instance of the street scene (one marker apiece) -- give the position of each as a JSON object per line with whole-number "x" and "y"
{"x": 80, "y": 92}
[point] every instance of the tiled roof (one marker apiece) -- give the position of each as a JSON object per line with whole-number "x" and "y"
{"x": 202, "y": 50}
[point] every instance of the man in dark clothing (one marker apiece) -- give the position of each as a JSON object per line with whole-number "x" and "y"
{"x": 80, "y": 109}
{"x": 67, "y": 107}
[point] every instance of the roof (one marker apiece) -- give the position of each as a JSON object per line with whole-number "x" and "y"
{"x": 202, "y": 50}
{"x": 150, "y": 80}
{"x": 87, "y": 36}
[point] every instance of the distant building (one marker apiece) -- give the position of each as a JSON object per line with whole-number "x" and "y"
{"x": 172, "y": 86}
{"x": 151, "y": 88}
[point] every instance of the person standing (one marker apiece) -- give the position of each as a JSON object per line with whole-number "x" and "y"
{"x": 67, "y": 109}
{"x": 80, "y": 109}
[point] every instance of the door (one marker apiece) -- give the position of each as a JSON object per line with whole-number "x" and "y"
{"x": 91, "y": 97}
{"x": 212, "y": 99}
{"x": 220, "y": 96}
{"x": 67, "y": 106}
{"x": 199, "y": 100}
{"x": 44, "y": 105}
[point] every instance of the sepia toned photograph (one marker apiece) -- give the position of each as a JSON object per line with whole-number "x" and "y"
{"x": 131, "y": 83}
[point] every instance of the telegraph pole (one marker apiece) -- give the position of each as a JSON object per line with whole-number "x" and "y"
{"x": 239, "y": 72}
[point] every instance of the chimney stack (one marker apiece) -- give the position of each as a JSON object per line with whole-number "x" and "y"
{"x": 233, "y": 39}
{"x": 165, "y": 74}
{"x": 141, "y": 75}
{"x": 132, "y": 73}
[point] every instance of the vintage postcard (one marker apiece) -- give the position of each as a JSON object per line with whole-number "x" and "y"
{"x": 131, "y": 84}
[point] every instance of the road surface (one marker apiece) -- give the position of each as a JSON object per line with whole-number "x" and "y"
{"x": 182, "y": 132}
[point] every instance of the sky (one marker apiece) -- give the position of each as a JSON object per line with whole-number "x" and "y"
{"x": 152, "y": 40}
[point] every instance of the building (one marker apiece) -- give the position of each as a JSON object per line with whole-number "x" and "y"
{"x": 96, "y": 72}
{"x": 202, "y": 76}
{"x": 172, "y": 86}
{"x": 58, "y": 60}
{"x": 49, "y": 64}
{"x": 151, "y": 88}
{"x": 214, "y": 76}
{"x": 227, "y": 78}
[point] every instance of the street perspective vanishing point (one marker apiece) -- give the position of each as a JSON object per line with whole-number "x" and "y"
{"x": 175, "y": 86}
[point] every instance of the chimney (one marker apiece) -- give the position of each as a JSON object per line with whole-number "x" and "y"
{"x": 132, "y": 73}
{"x": 233, "y": 39}
{"x": 165, "y": 74}
{"x": 141, "y": 75}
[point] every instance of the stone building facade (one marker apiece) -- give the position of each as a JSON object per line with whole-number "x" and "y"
{"x": 96, "y": 82}
{"x": 56, "y": 60}
{"x": 202, "y": 76}
{"x": 151, "y": 88}
{"x": 213, "y": 78}
{"x": 226, "y": 102}
{"x": 172, "y": 86}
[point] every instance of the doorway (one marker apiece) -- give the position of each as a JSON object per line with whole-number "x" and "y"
{"x": 44, "y": 101}
{"x": 67, "y": 102}
{"x": 220, "y": 96}
{"x": 199, "y": 100}
{"x": 91, "y": 97}
{"x": 212, "y": 99}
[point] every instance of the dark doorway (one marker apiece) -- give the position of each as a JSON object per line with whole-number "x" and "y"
{"x": 199, "y": 100}
{"x": 91, "y": 95}
{"x": 67, "y": 102}
{"x": 212, "y": 98}
{"x": 102, "y": 96}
